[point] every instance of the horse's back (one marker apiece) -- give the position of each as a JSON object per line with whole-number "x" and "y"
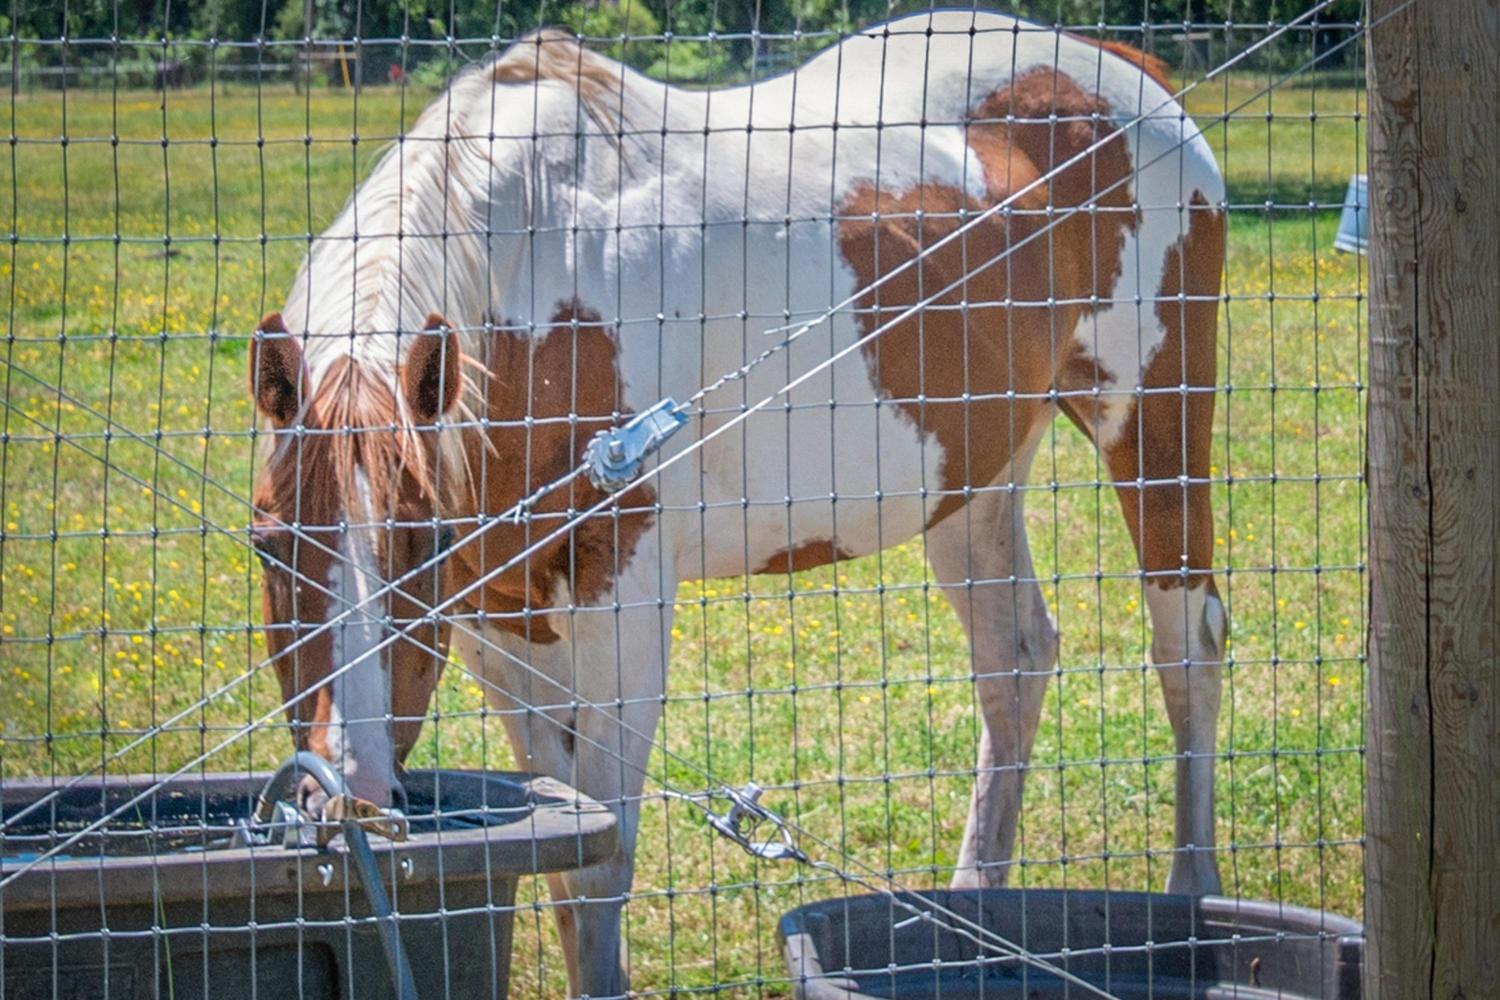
{"x": 745, "y": 209}
{"x": 891, "y": 105}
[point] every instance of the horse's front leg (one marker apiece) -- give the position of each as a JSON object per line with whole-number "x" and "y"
{"x": 584, "y": 709}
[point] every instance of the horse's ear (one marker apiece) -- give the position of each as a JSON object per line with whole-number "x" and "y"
{"x": 430, "y": 376}
{"x": 276, "y": 374}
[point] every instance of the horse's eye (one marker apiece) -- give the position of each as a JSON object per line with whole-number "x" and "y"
{"x": 445, "y": 537}
{"x": 260, "y": 541}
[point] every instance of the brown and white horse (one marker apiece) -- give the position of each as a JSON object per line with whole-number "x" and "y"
{"x": 559, "y": 242}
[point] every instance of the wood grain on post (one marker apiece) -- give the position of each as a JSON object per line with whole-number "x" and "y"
{"x": 1432, "y": 861}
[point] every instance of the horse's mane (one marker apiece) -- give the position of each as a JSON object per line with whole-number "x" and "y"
{"x": 356, "y": 421}
{"x": 424, "y": 205}
{"x": 550, "y": 54}
{"x": 428, "y": 190}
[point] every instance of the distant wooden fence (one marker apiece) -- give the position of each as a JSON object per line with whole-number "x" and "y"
{"x": 1432, "y": 864}
{"x": 145, "y": 75}
{"x": 322, "y": 66}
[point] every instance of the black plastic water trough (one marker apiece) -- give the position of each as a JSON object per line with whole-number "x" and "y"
{"x": 147, "y": 912}
{"x": 1132, "y": 945}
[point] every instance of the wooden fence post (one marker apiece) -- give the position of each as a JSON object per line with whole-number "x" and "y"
{"x": 1432, "y": 855}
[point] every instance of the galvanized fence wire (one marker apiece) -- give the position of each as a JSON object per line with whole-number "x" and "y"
{"x": 522, "y": 508}
{"x": 519, "y": 511}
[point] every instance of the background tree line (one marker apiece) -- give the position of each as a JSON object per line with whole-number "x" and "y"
{"x": 148, "y": 30}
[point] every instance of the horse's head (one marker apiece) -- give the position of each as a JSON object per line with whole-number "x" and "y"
{"x": 348, "y": 527}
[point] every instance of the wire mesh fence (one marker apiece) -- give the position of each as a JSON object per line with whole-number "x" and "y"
{"x": 849, "y": 589}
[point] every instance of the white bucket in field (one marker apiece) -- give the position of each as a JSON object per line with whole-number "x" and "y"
{"x": 1354, "y": 221}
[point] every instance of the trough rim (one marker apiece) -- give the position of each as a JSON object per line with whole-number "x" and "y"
{"x": 562, "y": 830}
{"x": 809, "y": 979}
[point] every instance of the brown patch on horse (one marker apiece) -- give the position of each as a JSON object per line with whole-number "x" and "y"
{"x": 1016, "y": 138}
{"x": 949, "y": 369}
{"x": 547, "y": 395}
{"x": 808, "y": 555}
{"x": 1149, "y": 63}
{"x": 1165, "y": 429}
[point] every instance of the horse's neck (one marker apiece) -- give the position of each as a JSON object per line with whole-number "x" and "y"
{"x": 491, "y": 229}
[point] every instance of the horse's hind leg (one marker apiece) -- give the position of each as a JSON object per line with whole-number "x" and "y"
{"x": 981, "y": 559}
{"x": 1159, "y": 461}
{"x": 1173, "y": 530}
{"x": 1188, "y": 624}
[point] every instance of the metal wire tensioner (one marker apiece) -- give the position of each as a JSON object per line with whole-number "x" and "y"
{"x": 743, "y": 817}
{"x": 613, "y": 457}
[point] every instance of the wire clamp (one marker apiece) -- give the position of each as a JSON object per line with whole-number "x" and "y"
{"x": 613, "y": 457}
{"x": 744, "y": 816}
{"x": 341, "y": 810}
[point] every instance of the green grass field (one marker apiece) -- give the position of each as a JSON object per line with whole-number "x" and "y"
{"x": 823, "y": 688}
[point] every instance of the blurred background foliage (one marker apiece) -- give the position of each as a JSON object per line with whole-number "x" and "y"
{"x": 703, "y": 41}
